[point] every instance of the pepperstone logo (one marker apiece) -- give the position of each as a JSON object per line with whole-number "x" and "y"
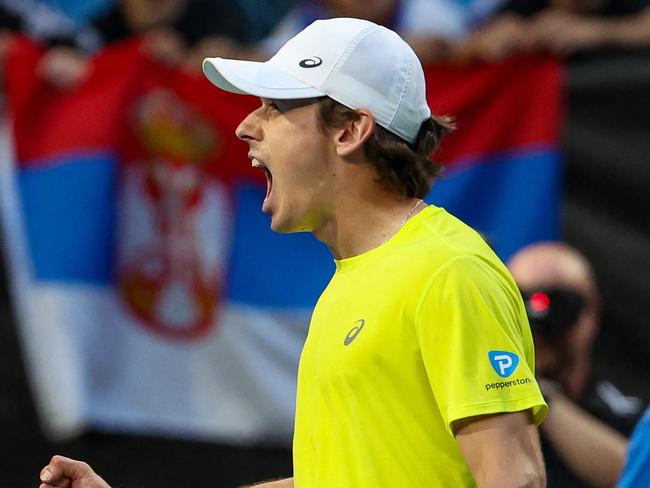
{"x": 354, "y": 332}
{"x": 504, "y": 363}
{"x": 313, "y": 62}
{"x": 507, "y": 384}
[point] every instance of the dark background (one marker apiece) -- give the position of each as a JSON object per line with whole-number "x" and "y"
{"x": 607, "y": 203}
{"x": 607, "y": 146}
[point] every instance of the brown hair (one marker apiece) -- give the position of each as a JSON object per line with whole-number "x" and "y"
{"x": 402, "y": 167}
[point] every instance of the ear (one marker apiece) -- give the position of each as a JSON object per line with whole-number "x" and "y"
{"x": 351, "y": 137}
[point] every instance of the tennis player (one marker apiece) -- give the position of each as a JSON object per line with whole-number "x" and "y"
{"x": 418, "y": 369}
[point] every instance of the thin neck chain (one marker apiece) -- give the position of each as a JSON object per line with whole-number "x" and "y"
{"x": 408, "y": 216}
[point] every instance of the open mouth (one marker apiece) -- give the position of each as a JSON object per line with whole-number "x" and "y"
{"x": 256, "y": 163}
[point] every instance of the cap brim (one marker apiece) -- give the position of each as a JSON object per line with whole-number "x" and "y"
{"x": 255, "y": 78}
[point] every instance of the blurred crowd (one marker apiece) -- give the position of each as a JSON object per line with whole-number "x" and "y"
{"x": 586, "y": 433}
{"x": 584, "y": 437}
{"x": 183, "y": 32}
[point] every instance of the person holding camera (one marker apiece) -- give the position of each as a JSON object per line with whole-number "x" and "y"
{"x": 584, "y": 435}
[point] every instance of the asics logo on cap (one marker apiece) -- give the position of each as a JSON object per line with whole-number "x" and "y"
{"x": 391, "y": 87}
{"x": 311, "y": 62}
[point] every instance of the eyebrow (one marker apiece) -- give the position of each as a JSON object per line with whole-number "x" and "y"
{"x": 293, "y": 103}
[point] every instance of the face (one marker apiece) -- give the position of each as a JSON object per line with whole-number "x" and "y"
{"x": 285, "y": 142}
{"x": 554, "y": 265}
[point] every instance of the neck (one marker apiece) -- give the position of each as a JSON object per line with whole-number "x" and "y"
{"x": 361, "y": 223}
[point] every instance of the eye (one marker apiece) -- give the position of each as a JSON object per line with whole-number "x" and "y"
{"x": 272, "y": 105}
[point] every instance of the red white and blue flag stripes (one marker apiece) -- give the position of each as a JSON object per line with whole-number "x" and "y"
{"x": 151, "y": 293}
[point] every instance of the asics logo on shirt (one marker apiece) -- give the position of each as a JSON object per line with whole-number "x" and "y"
{"x": 354, "y": 332}
{"x": 503, "y": 362}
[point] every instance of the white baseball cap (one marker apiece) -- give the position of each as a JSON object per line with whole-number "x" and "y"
{"x": 357, "y": 63}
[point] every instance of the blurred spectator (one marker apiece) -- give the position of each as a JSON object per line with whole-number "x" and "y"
{"x": 636, "y": 473}
{"x": 48, "y": 22}
{"x": 562, "y": 27}
{"x": 8, "y": 24}
{"x": 53, "y": 22}
{"x": 427, "y": 25}
{"x": 177, "y": 32}
{"x": 582, "y": 436}
{"x": 264, "y": 15}
{"x": 80, "y": 11}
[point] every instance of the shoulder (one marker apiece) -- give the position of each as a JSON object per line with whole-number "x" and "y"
{"x": 444, "y": 230}
{"x": 454, "y": 246}
{"x": 642, "y": 431}
{"x": 467, "y": 277}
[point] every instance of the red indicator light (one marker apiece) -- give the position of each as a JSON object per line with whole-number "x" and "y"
{"x": 539, "y": 301}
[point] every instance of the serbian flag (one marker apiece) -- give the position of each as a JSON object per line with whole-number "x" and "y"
{"x": 503, "y": 169}
{"x": 151, "y": 294}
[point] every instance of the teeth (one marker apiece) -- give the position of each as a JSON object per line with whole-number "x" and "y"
{"x": 256, "y": 164}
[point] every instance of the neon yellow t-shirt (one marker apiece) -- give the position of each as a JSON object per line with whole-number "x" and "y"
{"x": 424, "y": 330}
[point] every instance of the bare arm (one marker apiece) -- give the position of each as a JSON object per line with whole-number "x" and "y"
{"x": 628, "y": 31}
{"x": 594, "y": 451}
{"x": 564, "y": 32}
{"x": 502, "y": 450}
{"x": 285, "y": 483}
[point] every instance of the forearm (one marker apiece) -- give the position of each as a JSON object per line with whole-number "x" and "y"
{"x": 284, "y": 483}
{"x": 526, "y": 476}
{"x": 594, "y": 451}
{"x": 628, "y": 31}
{"x": 534, "y": 481}
{"x": 516, "y": 463}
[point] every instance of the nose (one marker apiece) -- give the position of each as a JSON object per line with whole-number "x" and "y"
{"x": 249, "y": 129}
